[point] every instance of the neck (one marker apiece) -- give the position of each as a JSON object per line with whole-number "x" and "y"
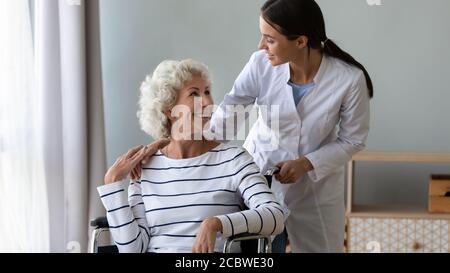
{"x": 305, "y": 67}
{"x": 179, "y": 149}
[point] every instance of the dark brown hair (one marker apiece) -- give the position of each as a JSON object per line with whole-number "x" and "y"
{"x": 295, "y": 18}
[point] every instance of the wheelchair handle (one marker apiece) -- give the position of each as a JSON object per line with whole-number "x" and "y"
{"x": 99, "y": 222}
{"x": 271, "y": 171}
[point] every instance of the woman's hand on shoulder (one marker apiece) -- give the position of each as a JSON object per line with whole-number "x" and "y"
{"x": 152, "y": 149}
{"x": 126, "y": 164}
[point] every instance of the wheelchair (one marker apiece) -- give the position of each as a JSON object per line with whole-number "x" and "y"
{"x": 249, "y": 243}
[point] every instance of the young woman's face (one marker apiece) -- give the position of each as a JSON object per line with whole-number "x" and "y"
{"x": 193, "y": 108}
{"x": 279, "y": 49}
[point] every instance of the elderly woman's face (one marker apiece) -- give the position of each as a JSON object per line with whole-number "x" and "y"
{"x": 193, "y": 108}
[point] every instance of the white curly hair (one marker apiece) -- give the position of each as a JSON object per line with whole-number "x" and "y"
{"x": 159, "y": 92}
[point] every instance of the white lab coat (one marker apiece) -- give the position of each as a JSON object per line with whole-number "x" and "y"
{"x": 328, "y": 126}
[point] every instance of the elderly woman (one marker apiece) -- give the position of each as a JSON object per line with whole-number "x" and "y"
{"x": 191, "y": 193}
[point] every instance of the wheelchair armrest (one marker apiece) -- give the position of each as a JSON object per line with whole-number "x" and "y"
{"x": 246, "y": 236}
{"x": 99, "y": 222}
{"x": 100, "y": 225}
{"x": 263, "y": 243}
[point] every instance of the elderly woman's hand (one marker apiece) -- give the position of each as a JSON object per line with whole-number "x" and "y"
{"x": 153, "y": 148}
{"x": 127, "y": 162}
{"x": 136, "y": 171}
{"x": 206, "y": 236}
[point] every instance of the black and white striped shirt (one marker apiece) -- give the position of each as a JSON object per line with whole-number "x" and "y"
{"x": 163, "y": 211}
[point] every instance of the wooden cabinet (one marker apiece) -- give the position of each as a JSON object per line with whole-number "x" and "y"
{"x": 393, "y": 228}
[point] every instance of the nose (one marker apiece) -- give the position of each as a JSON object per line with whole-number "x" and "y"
{"x": 206, "y": 101}
{"x": 262, "y": 44}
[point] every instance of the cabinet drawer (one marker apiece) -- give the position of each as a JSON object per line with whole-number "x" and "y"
{"x": 397, "y": 235}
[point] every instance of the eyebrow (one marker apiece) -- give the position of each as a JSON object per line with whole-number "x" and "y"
{"x": 267, "y": 35}
{"x": 198, "y": 89}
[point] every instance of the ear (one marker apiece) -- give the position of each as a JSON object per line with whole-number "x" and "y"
{"x": 168, "y": 113}
{"x": 302, "y": 42}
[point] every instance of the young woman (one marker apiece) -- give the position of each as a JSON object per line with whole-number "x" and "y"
{"x": 322, "y": 97}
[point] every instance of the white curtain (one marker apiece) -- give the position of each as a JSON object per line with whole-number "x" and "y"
{"x": 52, "y": 150}
{"x": 24, "y": 219}
{"x": 67, "y": 48}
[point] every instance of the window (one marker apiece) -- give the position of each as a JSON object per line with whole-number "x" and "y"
{"x": 23, "y": 199}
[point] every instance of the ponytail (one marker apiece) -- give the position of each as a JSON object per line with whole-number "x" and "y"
{"x": 333, "y": 50}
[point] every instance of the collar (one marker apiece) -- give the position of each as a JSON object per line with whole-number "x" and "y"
{"x": 320, "y": 73}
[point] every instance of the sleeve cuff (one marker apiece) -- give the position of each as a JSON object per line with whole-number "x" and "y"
{"x": 114, "y": 195}
{"x": 314, "y": 175}
{"x": 226, "y": 226}
{"x": 106, "y": 189}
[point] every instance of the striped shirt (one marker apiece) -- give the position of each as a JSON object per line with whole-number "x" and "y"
{"x": 163, "y": 211}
